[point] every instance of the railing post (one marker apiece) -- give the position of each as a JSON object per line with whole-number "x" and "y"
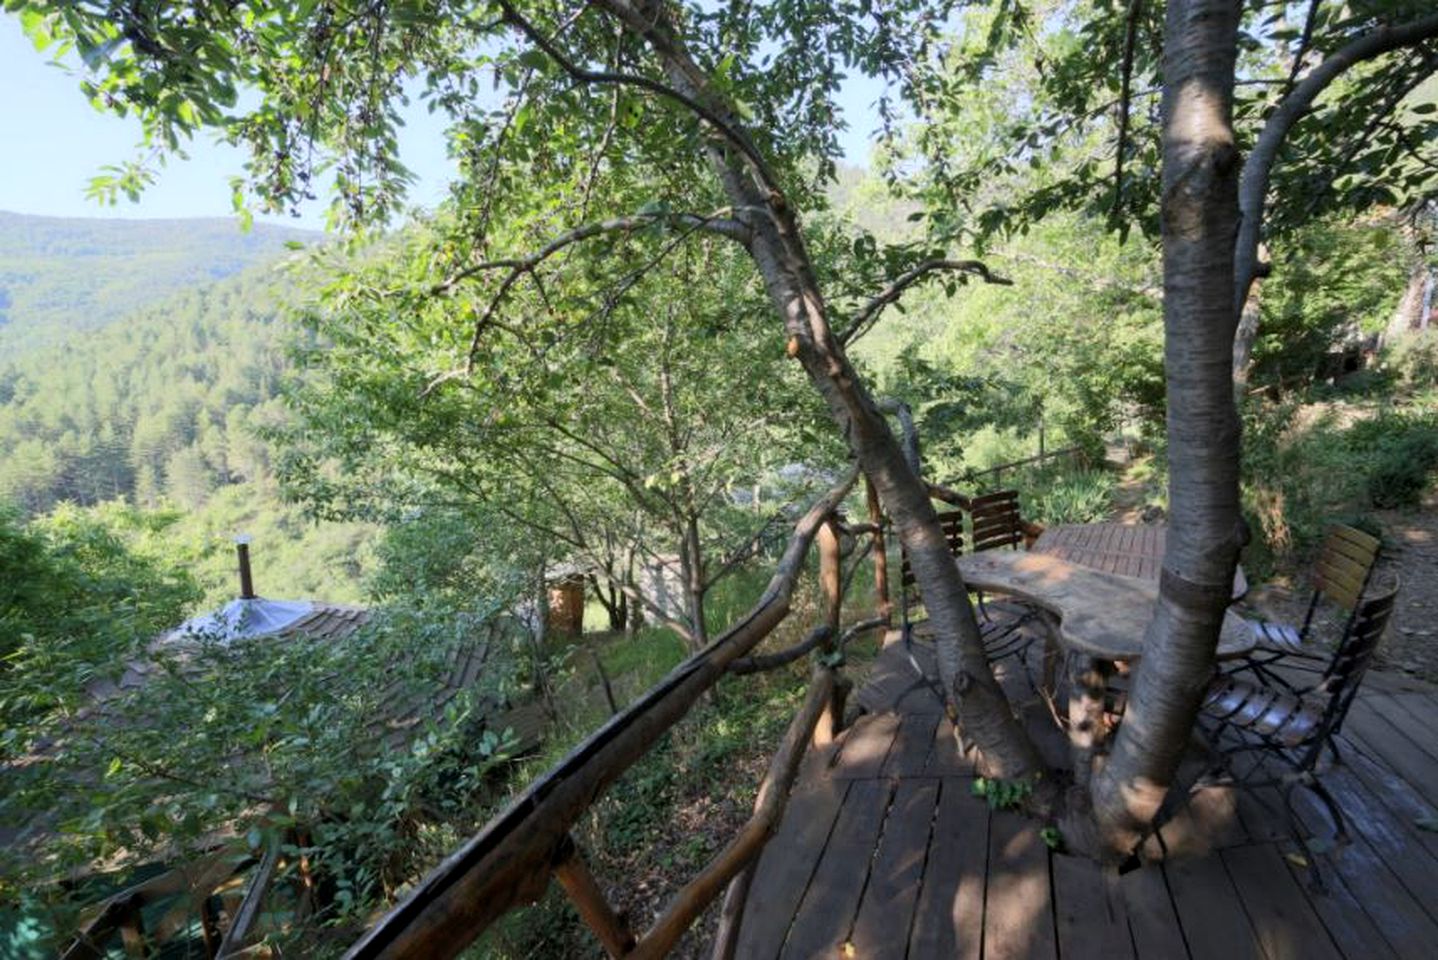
{"x": 573, "y": 875}
{"x": 882, "y": 607}
{"x": 831, "y": 577}
{"x": 831, "y": 581}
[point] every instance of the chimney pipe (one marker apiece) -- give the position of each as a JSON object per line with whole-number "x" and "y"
{"x": 247, "y": 585}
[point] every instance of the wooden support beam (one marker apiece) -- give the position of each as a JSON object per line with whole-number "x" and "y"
{"x": 574, "y": 876}
{"x": 883, "y": 607}
{"x": 132, "y": 933}
{"x": 769, "y": 806}
{"x": 731, "y": 914}
{"x": 199, "y": 876}
{"x": 507, "y": 863}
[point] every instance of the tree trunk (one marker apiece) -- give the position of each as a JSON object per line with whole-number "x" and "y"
{"x": 692, "y": 564}
{"x": 1247, "y": 332}
{"x": 975, "y": 700}
{"x": 612, "y": 599}
{"x": 1200, "y": 216}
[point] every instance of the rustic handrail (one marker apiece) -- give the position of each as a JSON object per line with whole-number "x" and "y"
{"x": 973, "y": 475}
{"x": 769, "y": 806}
{"x": 508, "y": 861}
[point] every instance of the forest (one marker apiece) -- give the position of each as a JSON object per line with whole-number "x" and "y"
{"x": 588, "y": 458}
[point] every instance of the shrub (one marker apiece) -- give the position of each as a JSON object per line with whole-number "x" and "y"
{"x": 1078, "y": 496}
{"x": 1400, "y": 475}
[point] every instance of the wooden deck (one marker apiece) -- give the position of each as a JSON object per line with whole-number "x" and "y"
{"x": 885, "y": 853}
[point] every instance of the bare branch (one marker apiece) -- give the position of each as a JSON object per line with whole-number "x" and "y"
{"x": 1303, "y": 44}
{"x": 870, "y": 313}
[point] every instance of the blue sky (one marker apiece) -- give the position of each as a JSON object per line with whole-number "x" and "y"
{"x": 53, "y": 142}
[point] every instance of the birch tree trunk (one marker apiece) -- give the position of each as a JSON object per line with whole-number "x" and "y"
{"x": 1200, "y": 219}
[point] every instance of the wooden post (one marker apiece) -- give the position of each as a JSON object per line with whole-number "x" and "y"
{"x": 831, "y": 577}
{"x": 831, "y": 722}
{"x": 573, "y": 875}
{"x": 132, "y": 933}
{"x": 882, "y": 607}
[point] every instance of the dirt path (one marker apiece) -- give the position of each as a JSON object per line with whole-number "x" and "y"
{"x": 1410, "y": 552}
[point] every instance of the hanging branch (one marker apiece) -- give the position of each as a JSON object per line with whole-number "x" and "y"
{"x": 871, "y": 310}
{"x": 1253, "y": 184}
{"x": 1135, "y": 9}
{"x": 1304, "y": 42}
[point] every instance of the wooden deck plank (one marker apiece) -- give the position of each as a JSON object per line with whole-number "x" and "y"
{"x": 1018, "y": 911}
{"x": 787, "y": 865}
{"x": 1416, "y": 716}
{"x": 865, "y": 747}
{"x": 944, "y": 759}
{"x": 887, "y": 909}
{"x": 1089, "y": 911}
{"x": 1210, "y": 910}
{"x": 910, "y": 753}
{"x": 826, "y": 914}
{"x": 1366, "y": 909}
{"x": 1152, "y": 922}
{"x": 1397, "y": 751}
{"x": 1282, "y": 918}
{"x": 949, "y": 919}
{"x": 1406, "y": 802}
{"x": 1384, "y": 811}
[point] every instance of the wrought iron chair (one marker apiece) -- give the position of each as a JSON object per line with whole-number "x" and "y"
{"x": 1345, "y": 565}
{"x": 996, "y": 523}
{"x": 1001, "y": 636}
{"x": 1294, "y": 726}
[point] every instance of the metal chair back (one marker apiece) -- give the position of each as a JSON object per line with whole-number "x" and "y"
{"x": 1354, "y": 655}
{"x": 951, "y": 522}
{"x": 996, "y": 521}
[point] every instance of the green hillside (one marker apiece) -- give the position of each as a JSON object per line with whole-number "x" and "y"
{"x": 152, "y": 417}
{"x": 59, "y": 275}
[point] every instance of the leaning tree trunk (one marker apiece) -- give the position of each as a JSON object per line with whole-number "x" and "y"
{"x": 976, "y": 701}
{"x": 1200, "y": 216}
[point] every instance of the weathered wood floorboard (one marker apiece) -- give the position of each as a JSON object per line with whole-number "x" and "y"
{"x": 1018, "y": 911}
{"x": 826, "y": 913}
{"x": 949, "y": 919}
{"x": 885, "y": 854}
{"x": 1283, "y": 920}
{"x": 887, "y": 908}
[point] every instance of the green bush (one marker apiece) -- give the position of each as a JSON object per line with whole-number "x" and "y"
{"x": 1068, "y": 496}
{"x": 1400, "y": 475}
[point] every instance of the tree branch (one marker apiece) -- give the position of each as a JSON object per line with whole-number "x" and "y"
{"x": 869, "y": 314}
{"x": 727, "y": 130}
{"x": 518, "y": 267}
{"x": 1135, "y": 8}
{"x": 1253, "y": 184}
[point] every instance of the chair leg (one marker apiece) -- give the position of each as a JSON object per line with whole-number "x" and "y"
{"x": 1335, "y": 813}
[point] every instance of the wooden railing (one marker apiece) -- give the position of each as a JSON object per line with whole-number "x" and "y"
{"x": 1075, "y": 454}
{"x": 510, "y": 862}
